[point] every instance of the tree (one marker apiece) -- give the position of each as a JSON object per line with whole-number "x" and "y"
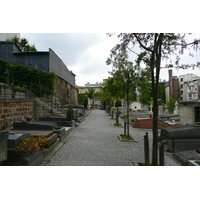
{"x": 82, "y": 100}
{"x": 114, "y": 88}
{"x": 22, "y": 43}
{"x": 125, "y": 74}
{"x": 91, "y": 94}
{"x": 171, "y": 104}
{"x": 153, "y": 48}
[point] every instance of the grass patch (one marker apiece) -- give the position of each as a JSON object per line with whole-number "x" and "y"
{"x": 117, "y": 125}
{"x": 125, "y": 137}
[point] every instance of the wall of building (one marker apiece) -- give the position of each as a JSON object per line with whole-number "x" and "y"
{"x": 35, "y": 59}
{"x": 57, "y": 66}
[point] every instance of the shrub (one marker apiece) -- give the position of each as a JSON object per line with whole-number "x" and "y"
{"x": 70, "y": 114}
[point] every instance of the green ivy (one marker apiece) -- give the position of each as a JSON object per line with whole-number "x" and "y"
{"x": 23, "y": 75}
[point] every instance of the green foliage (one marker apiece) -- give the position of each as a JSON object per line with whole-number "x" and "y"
{"x": 90, "y": 93}
{"x": 18, "y": 89}
{"x": 145, "y": 90}
{"x": 70, "y": 114}
{"x": 171, "y": 104}
{"x": 82, "y": 100}
{"x": 118, "y": 104}
{"x": 23, "y": 75}
{"x": 22, "y": 43}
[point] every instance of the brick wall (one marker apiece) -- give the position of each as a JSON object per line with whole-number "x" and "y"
{"x": 13, "y": 110}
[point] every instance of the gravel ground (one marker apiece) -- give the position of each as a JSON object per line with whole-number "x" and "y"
{"x": 95, "y": 143}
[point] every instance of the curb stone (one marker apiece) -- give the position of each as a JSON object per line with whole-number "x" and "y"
{"x": 119, "y": 137}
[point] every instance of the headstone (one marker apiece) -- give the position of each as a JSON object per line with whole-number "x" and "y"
{"x": 160, "y": 110}
{"x": 176, "y": 110}
{"x": 3, "y": 145}
{"x": 165, "y": 110}
{"x": 15, "y": 138}
{"x": 151, "y": 108}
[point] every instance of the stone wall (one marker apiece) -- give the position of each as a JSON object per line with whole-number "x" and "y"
{"x": 13, "y": 110}
{"x": 66, "y": 91}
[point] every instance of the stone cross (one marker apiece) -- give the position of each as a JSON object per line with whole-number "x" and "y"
{"x": 176, "y": 111}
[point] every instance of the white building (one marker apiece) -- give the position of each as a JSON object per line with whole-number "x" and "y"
{"x": 4, "y": 36}
{"x": 184, "y": 80}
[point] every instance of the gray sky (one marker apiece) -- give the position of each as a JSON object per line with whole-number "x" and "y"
{"x": 86, "y": 53}
{"x": 83, "y": 53}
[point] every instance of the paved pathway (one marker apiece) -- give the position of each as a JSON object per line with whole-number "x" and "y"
{"x": 95, "y": 143}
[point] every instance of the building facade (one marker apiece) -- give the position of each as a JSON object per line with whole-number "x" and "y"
{"x": 43, "y": 60}
{"x": 97, "y": 89}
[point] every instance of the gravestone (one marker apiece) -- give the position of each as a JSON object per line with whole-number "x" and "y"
{"x": 165, "y": 110}
{"x": 3, "y": 145}
{"x": 60, "y": 121}
{"x": 176, "y": 110}
{"x": 14, "y": 138}
{"x": 36, "y": 125}
{"x": 181, "y": 138}
{"x": 151, "y": 107}
{"x": 160, "y": 110}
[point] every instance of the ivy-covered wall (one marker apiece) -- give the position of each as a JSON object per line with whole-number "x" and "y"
{"x": 23, "y": 75}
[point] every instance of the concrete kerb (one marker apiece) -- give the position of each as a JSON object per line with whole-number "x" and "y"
{"x": 119, "y": 137}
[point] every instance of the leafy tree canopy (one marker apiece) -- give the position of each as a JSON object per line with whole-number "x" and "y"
{"x": 22, "y": 43}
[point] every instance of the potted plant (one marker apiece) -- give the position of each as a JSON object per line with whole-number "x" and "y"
{"x": 70, "y": 116}
{"x": 59, "y": 130}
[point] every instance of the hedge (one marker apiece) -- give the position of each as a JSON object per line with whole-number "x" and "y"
{"x": 24, "y": 75}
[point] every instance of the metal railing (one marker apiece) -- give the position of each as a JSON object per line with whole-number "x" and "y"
{"x": 8, "y": 91}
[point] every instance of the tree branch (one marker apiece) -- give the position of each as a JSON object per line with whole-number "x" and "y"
{"x": 138, "y": 39}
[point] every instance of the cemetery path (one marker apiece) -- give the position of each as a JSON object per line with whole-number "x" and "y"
{"x": 95, "y": 143}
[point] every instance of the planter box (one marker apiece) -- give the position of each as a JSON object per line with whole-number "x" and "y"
{"x": 60, "y": 132}
{"x": 192, "y": 163}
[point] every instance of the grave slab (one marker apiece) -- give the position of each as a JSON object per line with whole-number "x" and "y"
{"x": 26, "y": 125}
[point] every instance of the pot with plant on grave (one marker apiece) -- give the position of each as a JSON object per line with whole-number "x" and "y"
{"x": 60, "y": 131}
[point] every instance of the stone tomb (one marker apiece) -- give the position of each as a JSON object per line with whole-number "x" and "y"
{"x": 181, "y": 138}
{"x": 37, "y": 129}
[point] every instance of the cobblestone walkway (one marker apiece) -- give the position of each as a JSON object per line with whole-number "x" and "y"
{"x": 95, "y": 143}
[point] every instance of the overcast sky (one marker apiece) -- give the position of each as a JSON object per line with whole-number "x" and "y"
{"x": 86, "y": 53}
